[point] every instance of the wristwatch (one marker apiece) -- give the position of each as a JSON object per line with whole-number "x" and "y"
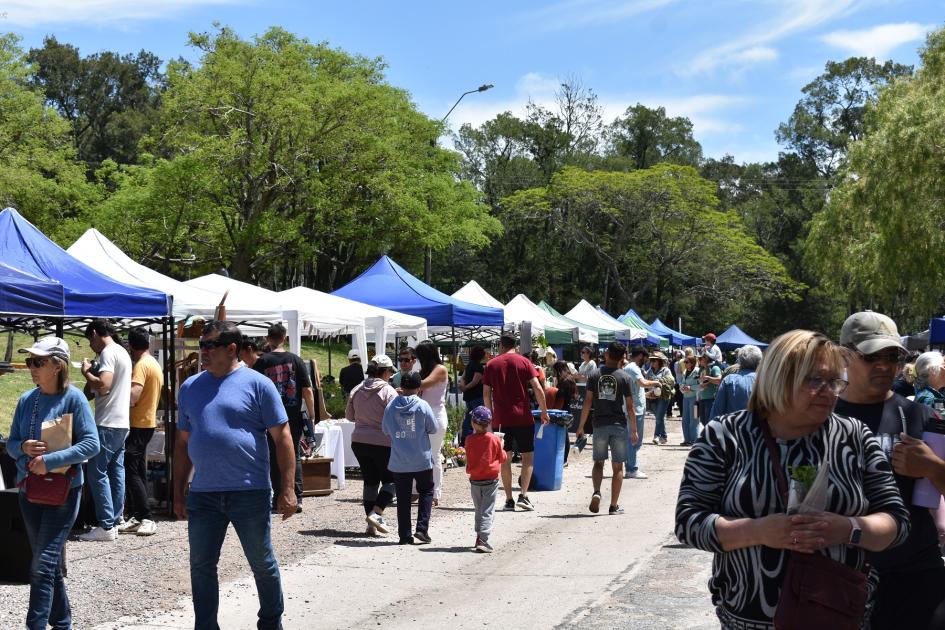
{"x": 856, "y": 533}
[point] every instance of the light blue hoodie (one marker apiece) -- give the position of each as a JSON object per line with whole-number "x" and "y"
{"x": 409, "y": 421}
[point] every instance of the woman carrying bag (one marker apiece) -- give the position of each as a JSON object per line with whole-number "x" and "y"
{"x": 775, "y": 567}
{"x": 48, "y": 513}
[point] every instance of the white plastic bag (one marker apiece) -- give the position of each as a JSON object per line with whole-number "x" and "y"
{"x": 804, "y": 500}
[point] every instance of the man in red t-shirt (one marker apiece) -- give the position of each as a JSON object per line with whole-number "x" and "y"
{"x": 505, "y": 392}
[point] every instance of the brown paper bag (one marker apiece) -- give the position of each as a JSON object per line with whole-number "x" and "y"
{"x": 57, "y": 434}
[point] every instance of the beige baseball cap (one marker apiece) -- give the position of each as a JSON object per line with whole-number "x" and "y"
{"x": 870, "y": 332}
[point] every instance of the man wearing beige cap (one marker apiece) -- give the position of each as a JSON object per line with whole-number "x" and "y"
{"x": 911, "y": 590}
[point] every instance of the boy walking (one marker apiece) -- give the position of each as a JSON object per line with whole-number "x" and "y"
{"x": 409, "y": 421}
{"x": 484, "y": 456}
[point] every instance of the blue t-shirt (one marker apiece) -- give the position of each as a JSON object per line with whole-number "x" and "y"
{"x": 636, "y": 390}
{"x": 409, "y": 421}
{"x": 227, "y": 419}
{"x": 85, "y": 443}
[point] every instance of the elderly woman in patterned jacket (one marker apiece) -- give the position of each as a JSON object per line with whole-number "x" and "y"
{"x": 729, "y": 500}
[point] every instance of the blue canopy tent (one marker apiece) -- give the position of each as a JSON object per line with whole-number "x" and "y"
{"x": 675, "y": 337}
{"x": 23, "y": 294}
{"x": 388, "y": 285}
{"x": 735, "y": 338}
{"x": 653, "y": 337}
{"x": 937, "y": 331}
{"x": 87, "y": 293}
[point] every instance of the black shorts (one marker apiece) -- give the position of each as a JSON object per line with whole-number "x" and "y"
{"x": 519, "y": 438}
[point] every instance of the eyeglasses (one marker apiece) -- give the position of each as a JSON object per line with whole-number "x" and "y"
{"x": 213, "y": 343}
{"x": 817, "y": 383}
{"x": 885, "y": 357}
{"x": 36, "y": 362}
{"x": 405, "y": 359}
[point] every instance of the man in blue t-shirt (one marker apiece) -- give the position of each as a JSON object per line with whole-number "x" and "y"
{"x": 225, "y": 415}
{"x": 638, "y": 383}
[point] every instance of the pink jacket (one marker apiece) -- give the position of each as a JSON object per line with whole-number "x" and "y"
{"x": 366, "y": 405}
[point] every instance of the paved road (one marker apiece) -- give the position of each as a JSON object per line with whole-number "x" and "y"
{"x": 557, "y": 566}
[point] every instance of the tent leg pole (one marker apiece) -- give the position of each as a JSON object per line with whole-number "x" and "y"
{"x": 170, "y": 417}
{"x": 455, "y": 358}
{"x": 59, "y": 328}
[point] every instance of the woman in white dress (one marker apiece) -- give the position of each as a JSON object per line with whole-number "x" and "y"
{"x": 433, "y": 390}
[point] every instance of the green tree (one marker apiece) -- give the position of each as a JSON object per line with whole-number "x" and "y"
{"x": 879, "y": 239}
{"x": 38, "y": 173}
{"x": 648, "y": 136}
{"x": 299, "y": 163}
{"x": 830, "y": 116}
{"x": 110, "y": 100}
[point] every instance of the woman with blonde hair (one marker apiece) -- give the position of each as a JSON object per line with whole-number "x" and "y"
{"x": 732, "y": 500}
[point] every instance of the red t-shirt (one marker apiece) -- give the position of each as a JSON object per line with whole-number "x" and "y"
{"x": 509, "y": 375}
{"x": 484, "y": 455}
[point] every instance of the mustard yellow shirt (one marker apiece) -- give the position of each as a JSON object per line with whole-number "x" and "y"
{"x": 148, "y": 374}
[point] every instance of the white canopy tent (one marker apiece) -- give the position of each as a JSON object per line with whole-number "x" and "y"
{"x": 473, "y": 292}
{"x": 325, "y": 314}
{"x": 95, "y": 250}
{"x": 585, "y": 313}
{"x": 521, "y": 309}
{"x": 243, "y": 293}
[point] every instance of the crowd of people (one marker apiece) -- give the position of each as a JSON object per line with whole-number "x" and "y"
{"x": 828, "y": 410}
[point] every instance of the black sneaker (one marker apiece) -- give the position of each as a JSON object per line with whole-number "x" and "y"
{"x": 509, "y": 505}
{"x": 594, "y": 507}
{"x": 422, "y": 538}
{"x": 615, "y": 509}
{"x": 524, "y": 503}
{"x": 406, "y": 541}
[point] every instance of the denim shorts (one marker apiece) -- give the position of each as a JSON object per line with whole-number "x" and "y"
{"x": 613, "y": 436}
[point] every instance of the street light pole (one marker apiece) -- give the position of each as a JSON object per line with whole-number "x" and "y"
{"x": 428, "y": 259}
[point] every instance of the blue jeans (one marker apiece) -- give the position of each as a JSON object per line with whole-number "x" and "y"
{"x": 107, "y": 476}
{"x": 633, "y": 447}
{"x": 660, "y": 405}
{"x": 47, "y": 528}
{"x": 705, "y": 410}
{"x": 690, "y": 423}
{"x": 467, "y": 422}
{"x": 208, "y": 515}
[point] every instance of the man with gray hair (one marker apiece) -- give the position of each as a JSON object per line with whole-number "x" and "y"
{"x": 929, "y": 380}
{"x": 735, "y": 389}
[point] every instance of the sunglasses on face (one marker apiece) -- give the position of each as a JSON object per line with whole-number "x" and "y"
{"x": 36, "y": 362}
{"x": 214, "y": 343}
{"x": 405, "y": 359}
{"x": 834, "y": 385}
{"x": 885, "y": 357}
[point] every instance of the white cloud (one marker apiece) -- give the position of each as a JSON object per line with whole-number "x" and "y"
{"x": 36, "y": 12}
{"x": 755, "y": 46}
{"x": 569, "y": 14}
{"x": 878, "y": 41}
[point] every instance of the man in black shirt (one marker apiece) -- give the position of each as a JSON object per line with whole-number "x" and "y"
{"x": 352, "y": 374}
{"x": 912, "y": 576}
{"x": 287, "y": 372}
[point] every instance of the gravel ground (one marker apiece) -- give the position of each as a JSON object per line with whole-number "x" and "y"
{"x": 136, "y": 576}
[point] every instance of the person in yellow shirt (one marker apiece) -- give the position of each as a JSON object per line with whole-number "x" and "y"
{"x": 147, "y": 381}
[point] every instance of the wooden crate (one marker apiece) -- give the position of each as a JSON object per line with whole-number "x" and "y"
{"x": 316, "y": 476}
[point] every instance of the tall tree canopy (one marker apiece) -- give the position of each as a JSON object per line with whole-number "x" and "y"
{"x": 879, "y": 239}
{"x": 647, "y": 136}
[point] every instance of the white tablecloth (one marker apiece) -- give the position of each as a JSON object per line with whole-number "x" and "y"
{"x": 332, "y": 445}
{"x": 347, "y": 428}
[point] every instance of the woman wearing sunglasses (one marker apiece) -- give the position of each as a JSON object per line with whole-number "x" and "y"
{"x": 48, "y": 526}
{"x": 731, "y": 502}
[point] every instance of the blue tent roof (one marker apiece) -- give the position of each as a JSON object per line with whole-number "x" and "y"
{"x": 388, "y": 285}
{"x": 735, "y": 338}
{"x": 651, "y": 338}
{"x": 23, "y": 294}
{"x": 675, "y": 337}
{"x": 87, "y": 293}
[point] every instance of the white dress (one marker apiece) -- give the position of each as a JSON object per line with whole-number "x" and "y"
{"x": 435, "y": 395}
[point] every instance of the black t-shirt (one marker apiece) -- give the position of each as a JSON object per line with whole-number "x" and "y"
{"x": 611, "y": 386}
{"x": 350, "y": 377}
{"x": 474, "y": 393}
{"x": 921, "y": 549}
{"x": 287, "y": 372}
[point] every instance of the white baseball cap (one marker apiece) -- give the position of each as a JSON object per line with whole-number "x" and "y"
{"x": 383, "y": 361}
{"x": 49, "y": 347}
{"x": 354, "y": 354}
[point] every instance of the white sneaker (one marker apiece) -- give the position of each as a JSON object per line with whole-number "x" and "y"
{"x": 147, "y": 528}
{"x": 636, "y": 474}
{"x": 377, "y": 521}
{"x": 128, "y": 527}
{"x": 97, "y": 534}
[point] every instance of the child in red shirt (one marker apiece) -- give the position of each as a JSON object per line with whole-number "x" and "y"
{"x": 484, "y": 456}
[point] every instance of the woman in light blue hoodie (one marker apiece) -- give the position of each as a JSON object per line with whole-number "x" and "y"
{"x": 409, "y": 421}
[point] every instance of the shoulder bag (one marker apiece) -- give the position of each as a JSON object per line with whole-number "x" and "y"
{"x": 49, "y": 489}
{"x": 818, "y": 593}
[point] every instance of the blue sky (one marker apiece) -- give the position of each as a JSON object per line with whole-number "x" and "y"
{"x": 734, "y": 67}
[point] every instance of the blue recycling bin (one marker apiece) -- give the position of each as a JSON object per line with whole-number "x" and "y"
{"x": 549, "y": 451}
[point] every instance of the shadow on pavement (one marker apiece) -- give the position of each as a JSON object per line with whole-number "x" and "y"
{"x": 426, "y": 549}
{"x": 569, "y": 515}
